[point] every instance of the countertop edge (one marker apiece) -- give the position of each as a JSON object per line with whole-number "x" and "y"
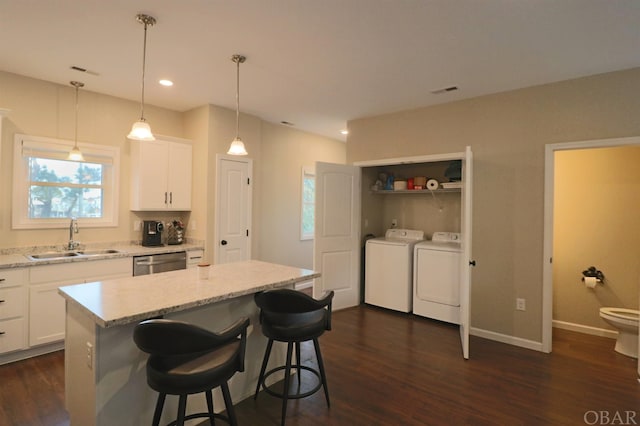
{"x": 8, "y": 261}
{"x": 99, "y": 321}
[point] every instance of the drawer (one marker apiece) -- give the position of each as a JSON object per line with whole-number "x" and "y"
{"x": 13, "y": 277}
{"x": 12, "y": 302}
{"x": 12, "y": 336}
{"x": 194, "y": 257}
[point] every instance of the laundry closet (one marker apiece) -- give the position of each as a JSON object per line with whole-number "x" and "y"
{"x": 352, "y": 205}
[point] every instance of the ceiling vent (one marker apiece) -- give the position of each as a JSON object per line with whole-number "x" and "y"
{"x": 445, "y": 90}
{"x": 80, "y": 69}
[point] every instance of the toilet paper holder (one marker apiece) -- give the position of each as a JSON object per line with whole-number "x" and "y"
{"x": 591, "y": 271}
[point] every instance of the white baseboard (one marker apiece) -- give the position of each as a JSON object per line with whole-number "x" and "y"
{"x": 537, "y": 346}
{"x": 29, "y": 353}
{"x": 505, "y": 338}
{"x": 612, "y": 334}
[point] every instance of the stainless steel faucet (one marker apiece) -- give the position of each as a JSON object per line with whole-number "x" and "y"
{"x": 73, "y": 227}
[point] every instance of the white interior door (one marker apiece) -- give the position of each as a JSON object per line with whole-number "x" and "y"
{"x": 233, "y": 209}
{"x": 467, "y": 259}
{"x": 337, "y": 233}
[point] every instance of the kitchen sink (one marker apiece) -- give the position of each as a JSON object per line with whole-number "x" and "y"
{"x": 53, "y": 255}
{"x": 66, "y": 254}
{"x": 97, "y": 252}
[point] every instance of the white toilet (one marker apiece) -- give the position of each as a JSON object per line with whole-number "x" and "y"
{"x": 626, "y": 321}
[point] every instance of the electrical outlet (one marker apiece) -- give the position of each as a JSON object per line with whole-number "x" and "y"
{"x": 89, "y": 355}
{"x": 137, "y": 225}
{"x": 193, "y": 224}
{"x": 521, "y": 304}
{"x": 394, "y": 223}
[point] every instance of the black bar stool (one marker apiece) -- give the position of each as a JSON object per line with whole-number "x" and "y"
{"x": 186, "y": 359}
{"x": 293, "y": 317}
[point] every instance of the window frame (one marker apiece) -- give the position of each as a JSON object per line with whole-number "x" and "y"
{"x": 308, "y": 172}
{"x": 105, "y": 154}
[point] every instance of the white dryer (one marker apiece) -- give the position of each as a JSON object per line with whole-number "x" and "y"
{"x": 436, "y": 277}
{"x": 388, "y": 279}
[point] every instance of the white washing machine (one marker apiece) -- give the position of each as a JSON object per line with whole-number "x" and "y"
{"x": 388, "y": 279}
{"x": 436, "y": 277}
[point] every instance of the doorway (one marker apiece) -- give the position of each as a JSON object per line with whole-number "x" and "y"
{"x": 549, "y": 210}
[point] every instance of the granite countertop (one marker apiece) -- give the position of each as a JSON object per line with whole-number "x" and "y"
{"x": 16, "y": 258}
{"x": 124, "y": 300}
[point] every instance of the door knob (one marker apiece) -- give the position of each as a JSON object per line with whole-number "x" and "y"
{"x": 223, "y": 242}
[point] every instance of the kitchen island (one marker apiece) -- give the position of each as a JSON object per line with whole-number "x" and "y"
{"x": 105, "y": 379}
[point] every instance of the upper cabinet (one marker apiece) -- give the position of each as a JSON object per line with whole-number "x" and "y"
{"x": 161, "y": 175}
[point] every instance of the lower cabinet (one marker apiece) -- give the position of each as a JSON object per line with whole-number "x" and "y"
{"x": 13, "y": 309}
{"x": 47, "y": 307}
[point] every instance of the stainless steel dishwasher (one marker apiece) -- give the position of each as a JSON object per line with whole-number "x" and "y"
{"x": 156, "y": 263}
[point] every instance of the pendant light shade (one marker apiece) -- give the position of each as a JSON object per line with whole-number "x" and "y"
{"x": 75, "y": 154}
{"x": 237, "y": 146}
{"x": 141, "y": 130}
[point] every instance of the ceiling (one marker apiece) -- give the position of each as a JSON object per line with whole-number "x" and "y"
{"x": 317, "y": 63}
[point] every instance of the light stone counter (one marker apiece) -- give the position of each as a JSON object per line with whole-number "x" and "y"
{"x": 124, "y": 300}
{"x": 16, "y": 257}
{"x": 105, "y": 380}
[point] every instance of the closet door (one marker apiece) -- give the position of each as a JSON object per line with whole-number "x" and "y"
{"x": 467, "y": 261}
{"x": 337, "y": 233}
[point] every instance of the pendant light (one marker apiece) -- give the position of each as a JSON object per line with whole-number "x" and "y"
{"x": 237, "y": 147}
{"x": 75, "y": 154}
{"x": 141, "y": 130}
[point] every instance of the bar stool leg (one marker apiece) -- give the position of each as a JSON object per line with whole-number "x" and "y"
{"x": 159, "y": 406}
{"x": 265, "y": 360}
{"x": 298, "y": 362}
{"x": 212, "y": 419}
{"x": 229, "y": 405}
{"x": 182, "y": 407}
{"x": 287, "y": 376}
{"x": 322, "y": 374}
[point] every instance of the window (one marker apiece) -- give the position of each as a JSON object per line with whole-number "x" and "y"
{"x": 307, "y": 222}
{"x": 48, "y": 189}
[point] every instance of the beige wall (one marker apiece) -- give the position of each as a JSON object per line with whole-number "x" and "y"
{"x": 507, "y": 133}
{"x": 596, "y": 205}
{"x": 45, "y": 109}
{"x": 285, "y": 152}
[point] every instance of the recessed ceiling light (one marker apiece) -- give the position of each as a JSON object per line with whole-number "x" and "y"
{"x": 167, "y": 83}
{"x": 344, "y": 132}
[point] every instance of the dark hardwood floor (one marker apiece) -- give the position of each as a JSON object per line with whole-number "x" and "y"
{"x": 386, "y": 368}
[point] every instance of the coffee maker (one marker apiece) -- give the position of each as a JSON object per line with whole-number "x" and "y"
{"x": 152, "y": 233}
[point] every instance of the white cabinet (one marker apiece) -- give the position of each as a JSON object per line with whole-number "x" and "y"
{"x": 161, "y": 175}
{"x": 194, "y": 257}
{"x": 13, "y": 309}
{"x": 47, "y": 307}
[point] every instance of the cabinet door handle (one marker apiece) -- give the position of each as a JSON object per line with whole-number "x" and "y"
{"x": 171, "y": 197}
{"x": 2, "y": 279}
{"x": 2, "y": 301}
{"x": 223, "y": 242}
{"x": 165, "y": 198}
{"x": 1, "y": 333}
